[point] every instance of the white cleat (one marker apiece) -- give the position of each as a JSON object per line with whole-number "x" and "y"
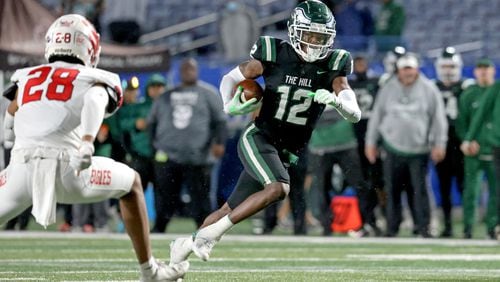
{"x": 202, "y": 247}
{"x": 180, "y": 249}
{"x": 167, "y": 272}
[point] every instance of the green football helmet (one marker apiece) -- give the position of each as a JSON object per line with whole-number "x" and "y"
{"x": 449, "y": 65}
{"x": 311, "y": 29}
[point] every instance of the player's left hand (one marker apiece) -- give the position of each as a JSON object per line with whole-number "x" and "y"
{"x": 83, "y": 158}
{"x": 324, "y": 96}
{"x": 236, "y": 107}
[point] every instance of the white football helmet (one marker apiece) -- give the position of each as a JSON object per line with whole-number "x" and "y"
{"x": 74, "y": 36}
{"x": 391, "y": 58}
{"x": 311, "y": 29}
{"x": 449, "y": 65}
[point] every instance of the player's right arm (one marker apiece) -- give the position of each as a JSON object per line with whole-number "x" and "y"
{"x": 263, "y": 51}
{"x": 94, "y": 107}
{"x": 247, "y": 70}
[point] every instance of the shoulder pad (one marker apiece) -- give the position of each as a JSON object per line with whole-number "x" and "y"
{"x": 111, "y": 83}
{"x": 339, "y": 59}
{"x": 20, "y": 73}
{"x": 467, "y": 82}
{"x": 265, "y": 49}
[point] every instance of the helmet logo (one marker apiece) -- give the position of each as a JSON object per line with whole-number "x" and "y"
{"x": 66, "y": 23}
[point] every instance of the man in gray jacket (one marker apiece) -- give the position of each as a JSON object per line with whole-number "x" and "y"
{"x": 187, "y": 124}
{"x": 409, "y": 121}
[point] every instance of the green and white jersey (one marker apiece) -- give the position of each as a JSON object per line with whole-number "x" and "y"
{"x": 288, "y": 115}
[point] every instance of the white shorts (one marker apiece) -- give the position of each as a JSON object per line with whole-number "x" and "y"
{"x": 103, "y": 180}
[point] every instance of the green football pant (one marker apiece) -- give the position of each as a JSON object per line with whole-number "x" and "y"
{"x": 473, "y": 176}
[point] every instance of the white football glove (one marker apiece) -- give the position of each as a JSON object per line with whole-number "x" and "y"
{"x": 236, "y": 107}
{"x": 326, "y": 97}
{"x": 83, "y": 158}
{"x": 9, "y": 136}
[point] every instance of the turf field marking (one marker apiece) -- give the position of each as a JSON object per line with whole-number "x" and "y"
{"x": 259, "y": 239}
{"x": 431, "y": 257}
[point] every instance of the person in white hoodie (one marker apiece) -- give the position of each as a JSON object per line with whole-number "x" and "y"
{"x": 409, "y": 121}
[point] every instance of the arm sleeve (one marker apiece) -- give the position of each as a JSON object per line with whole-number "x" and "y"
{"x": 348, "y": 106}
{"x": 227, "y": 85}
{"x": 439, "y": 123}
{"x": 94, "y": 107}
{"x": 372, "y": 132}
{"x": 485, "y": 107}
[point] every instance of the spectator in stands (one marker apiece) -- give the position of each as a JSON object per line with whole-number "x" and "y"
{"x": 389, "y": 25}
{"x": 238, "y": 30}
{"x": 333, "y": 142}
{"x": 94, "y": 217}
{"x": 410, "y": 121}
{"x": 125, "y": 19}
{"x": 90, "y": 9}
{"x": 449, "y": 81}
{"x": 488, "y": 111}
{"x": 478, "y": 155}
{"x": 354, "y": 25}
{"x": 366, "y": 86}
{"x": 187, "y": 123}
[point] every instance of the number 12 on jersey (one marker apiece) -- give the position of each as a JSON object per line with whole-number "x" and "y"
{"x": 298, "y": 95}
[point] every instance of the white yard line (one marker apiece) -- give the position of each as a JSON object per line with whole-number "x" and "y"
{"x": 259, "y": 239}
{"x": 458, "y": 271}
{"x": 431, "y": 257}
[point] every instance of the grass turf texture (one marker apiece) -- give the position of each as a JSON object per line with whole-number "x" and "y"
{"x": 82, "y": 257}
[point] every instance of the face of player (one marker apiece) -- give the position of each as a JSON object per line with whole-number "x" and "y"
{"x": 155, "y": 90}
{"x": 449, "y": 72}
{"x": 189, "y": 72}
{"x": 484, "y": 75}
{"x": 407, "y": 75}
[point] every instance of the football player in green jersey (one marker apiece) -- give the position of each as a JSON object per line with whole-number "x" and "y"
{"x": 301, "y": 77}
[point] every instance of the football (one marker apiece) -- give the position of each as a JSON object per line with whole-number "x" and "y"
{"x": 251, "y": 89}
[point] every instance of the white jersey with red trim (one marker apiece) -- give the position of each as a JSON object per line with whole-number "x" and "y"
{"x": 50, "y": 100}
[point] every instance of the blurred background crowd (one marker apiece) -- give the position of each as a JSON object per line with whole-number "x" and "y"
{"x": 430, "y": 62}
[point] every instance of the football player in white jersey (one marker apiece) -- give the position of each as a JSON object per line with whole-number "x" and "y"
{"x": 54, "y": 116}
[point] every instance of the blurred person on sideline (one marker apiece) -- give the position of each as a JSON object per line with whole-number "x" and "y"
{"x": 55, "y": 113}
{"x": 187, "y": 124}
{"x": 451, "y": 85}
{"x": 478, "y": 154}
{"x": 366, "y": 86}
{"x": 409, "y": 119}
{"x": 488, "y": 111}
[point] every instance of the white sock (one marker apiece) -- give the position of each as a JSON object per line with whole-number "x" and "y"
{"x": 149, "y": 267}
{"x": 215, "y": 230}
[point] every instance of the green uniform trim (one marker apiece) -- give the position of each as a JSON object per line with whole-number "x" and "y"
{"x": 268, "y": 49}
{"x": 338, "y": 59}
{"x": 254, "y": 158}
